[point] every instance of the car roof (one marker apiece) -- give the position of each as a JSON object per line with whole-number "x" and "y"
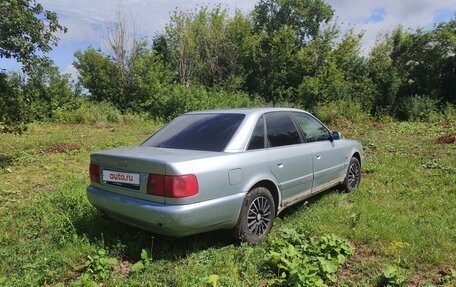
{"x": 246, "y": 111}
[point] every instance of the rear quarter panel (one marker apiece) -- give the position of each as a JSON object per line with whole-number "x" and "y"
{"x": 213, "y": 174}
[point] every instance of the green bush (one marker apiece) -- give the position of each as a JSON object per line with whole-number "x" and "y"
{"x": 174, "y": 102}
{"x": 418, "y": 108}
{"x": 183, "y": 99}
{"x": 330, "y": 112}
{"x": 303, "y": 261}
{"x": 97, "y": 267}
{"x": 285, "y": 104}
{"x": 449, "y": 113}
{"x": 392, "y": 276}
{"x": 15, "y": 110}
{"x": 84, "y": 111}
{"x": 132, "y": 118}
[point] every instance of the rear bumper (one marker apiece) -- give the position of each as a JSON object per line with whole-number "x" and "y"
{"x": 166, "y": 219}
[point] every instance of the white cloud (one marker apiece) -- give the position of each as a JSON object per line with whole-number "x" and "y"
{"x": 87, "y": 19}
{"x": 70, "y": 69}
{"x": 408, "y": 13}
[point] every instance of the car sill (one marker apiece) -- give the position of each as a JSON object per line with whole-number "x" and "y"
{"x": 304, "y": 195}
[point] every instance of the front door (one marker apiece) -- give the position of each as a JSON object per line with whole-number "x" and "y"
{"x": 327, "y": 157}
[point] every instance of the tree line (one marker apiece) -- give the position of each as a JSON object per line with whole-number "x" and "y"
{"x": 284, "y": 52}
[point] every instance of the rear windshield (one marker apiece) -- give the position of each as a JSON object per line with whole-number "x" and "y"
{"x": 208, "y": 132}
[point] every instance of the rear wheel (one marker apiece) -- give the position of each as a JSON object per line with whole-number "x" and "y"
{"x": 257, "y": 216}
{"x": 353, "y": 176}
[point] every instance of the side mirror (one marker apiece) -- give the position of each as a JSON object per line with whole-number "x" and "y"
{"x": 336, "y": 135}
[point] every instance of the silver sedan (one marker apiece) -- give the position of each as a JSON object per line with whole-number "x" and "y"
{"x": 223, "y": 169}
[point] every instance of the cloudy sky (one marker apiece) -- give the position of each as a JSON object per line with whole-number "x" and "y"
{"x": 86, "y": 19}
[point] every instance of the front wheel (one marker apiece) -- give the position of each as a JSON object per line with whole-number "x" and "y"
{"x": 257, "y": 216}
{"x": 353, "y": 176}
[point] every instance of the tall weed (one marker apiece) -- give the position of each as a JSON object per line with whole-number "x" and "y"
{"x": 184, "y": 99}
{"x": 84, "y": 111}
{"x": 419, "y": 109}
{"x": 330, "y": 112}
{"x": 300, "y": 260}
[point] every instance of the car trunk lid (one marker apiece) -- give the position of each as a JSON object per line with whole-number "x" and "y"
{"x": 126, "y": 170}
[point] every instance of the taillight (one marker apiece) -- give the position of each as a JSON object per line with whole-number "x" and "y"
{"x": 176, "y": 186}
{"x": 181, "y": 185}
{"x": 94, "y": 171}
{"x": 156, "y": 184}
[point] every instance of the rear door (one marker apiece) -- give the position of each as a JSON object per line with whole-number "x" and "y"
{"x": 328, "y": 156}
{"x": 290, "y": 161}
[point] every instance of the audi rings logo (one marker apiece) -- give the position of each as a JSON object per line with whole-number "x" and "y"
{"x": 121, "y": 163}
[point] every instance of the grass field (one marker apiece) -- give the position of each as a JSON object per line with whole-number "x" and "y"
{"x": 403, "y": 214}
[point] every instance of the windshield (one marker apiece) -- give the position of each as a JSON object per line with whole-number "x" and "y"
{"x": 208, "y": 132}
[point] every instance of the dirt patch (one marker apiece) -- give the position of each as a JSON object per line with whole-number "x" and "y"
{"x": 419, "y": 279}
{"x": 442, "y": 277}
{"x": 378, "y": 125}
{"x": 60, "y": 148}
{"x": 71, "y": 276}
{"x": 363, "y": 253}
{"x": 447, "y": 139}
{"x": 123, "y": 267}
{"x": 367, "y": 172}
{"x": 349, "y": 272}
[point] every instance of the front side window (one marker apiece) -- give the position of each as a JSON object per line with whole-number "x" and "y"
{"x": 281, "y": 129}
{"x": 312, "y": 129}
{"x": 257, "y": 139}
{"x": 208, "y": 132}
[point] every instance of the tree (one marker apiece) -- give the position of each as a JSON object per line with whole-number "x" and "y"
{"x": 215, "y": 58}
{"x": 446, "y": 37}
{"x": 207, "y": 47}
{"x": 27, "y": 30}
{"x": 385, "y": 76}
{"x": 47, "y": 90}
{"x": 98, "y": 74}
{"x": 130, "y": 76}
{"x": 427, "y": 59}
{"x": 152, "y": 80}
{"x": 148, "y": 78}
{"x": 304, "y": 17}
{"x": 180, "y": 44}
{"x": 240, "y": 32}
{"x": 284, "y": 27}
{"x": 125, "y": 48}
{"x": 412, "y": 69}
{"x": 14, "y": 106}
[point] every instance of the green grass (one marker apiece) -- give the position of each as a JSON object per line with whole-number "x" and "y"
{"x": 404, "y": 213}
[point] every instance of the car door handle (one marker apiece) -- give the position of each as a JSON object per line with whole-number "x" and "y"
{"x": 318, "y": 156}
{"x": 280, "y": 164}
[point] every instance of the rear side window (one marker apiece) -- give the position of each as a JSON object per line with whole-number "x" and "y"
{"x": 281, "y": 130}
{"x": 257, "y": 139}
{"x": 208, "y": 132}
{"x": 312, "y": 129}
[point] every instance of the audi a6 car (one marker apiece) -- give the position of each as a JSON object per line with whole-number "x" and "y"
{"x": 223, "y": 169}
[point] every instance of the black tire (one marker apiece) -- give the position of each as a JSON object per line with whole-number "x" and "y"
{"x": 257, "y": 216}
{"x": 353, "y": 177}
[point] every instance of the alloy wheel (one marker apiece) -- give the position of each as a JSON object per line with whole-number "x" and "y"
{"x": 353, "y": 175}
{"x": 258, "y": 218}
